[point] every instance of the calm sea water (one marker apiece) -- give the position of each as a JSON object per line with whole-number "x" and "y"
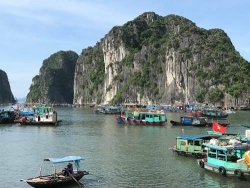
{"x": 115, "y": 155}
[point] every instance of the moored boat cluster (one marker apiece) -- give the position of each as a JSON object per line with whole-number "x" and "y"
{"x": 221, "y": 153}
{"x": 34, "y": 115}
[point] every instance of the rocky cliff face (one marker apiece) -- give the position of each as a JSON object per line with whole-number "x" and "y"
{"x": 54, "y": 84}
{"x": 155, "y": 59}
{"x": 6, "y": 95}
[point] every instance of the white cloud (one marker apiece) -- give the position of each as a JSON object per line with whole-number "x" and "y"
{"x": 61, "y": 12}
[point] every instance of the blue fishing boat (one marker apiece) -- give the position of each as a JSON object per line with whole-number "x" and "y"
{"x": 227, "y": 160}
{"x": 191, "y": 121}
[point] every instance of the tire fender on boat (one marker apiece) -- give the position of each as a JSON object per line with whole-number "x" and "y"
{"x": 201, "y": 163}
{"x": 222, "y": 170}
{"x": 238, "y": 173}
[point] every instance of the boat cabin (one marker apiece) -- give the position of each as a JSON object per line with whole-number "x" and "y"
{"x": 193, "y": 143}
{"x": 187, "y": 120}
{"x": 214, "y": 113}
{"x": 223, "y": 153}
{"x": 111, "y": 109}
{"x": 44, "y": 114}
{"x": 190, "y": 120}
{"x": 152, "y": 117}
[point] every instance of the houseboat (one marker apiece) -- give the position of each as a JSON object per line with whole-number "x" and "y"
{"x": 230, "y": 159}
{"x": 191, "y": 121}
{"x": 192, "y": 145}
{"x": 142, "y": 118}
{"x": 43, "y": 115}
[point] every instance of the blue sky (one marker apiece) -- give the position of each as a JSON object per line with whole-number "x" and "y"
{"x": 32, "y": 30}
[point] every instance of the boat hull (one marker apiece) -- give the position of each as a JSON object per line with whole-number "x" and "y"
{"x": 177, "y": 123}
{"x": 196, "y": 154}
{"x": 51, "y": 181}
{"x": 243, "y": 174}
{"x": 7, "y": 117}
{"x": 40, "y": 123}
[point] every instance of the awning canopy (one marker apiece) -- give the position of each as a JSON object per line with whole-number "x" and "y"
{"x": 26, "y": 113}
{"x": 193, "y": 137}
{"x": 64, "y": 159}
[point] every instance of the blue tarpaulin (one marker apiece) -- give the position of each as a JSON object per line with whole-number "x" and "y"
{"x": 192, "y": 137}
{"x": 26, "y": 113}
{"x": 65, "y": 159}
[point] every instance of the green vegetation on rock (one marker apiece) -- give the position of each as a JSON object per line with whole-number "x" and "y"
{"x": 54, "y": 84}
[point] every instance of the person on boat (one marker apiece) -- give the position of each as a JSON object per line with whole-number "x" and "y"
{"x": 136, "y": 114}
{"x": 68, "y": 170}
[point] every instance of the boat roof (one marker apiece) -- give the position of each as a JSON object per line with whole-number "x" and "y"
{"x": 64, "y": 159}
{"x": 111, "y": 107}
{"x": 150, "y": 107}
{"x": 157, "y": 113}
{"x": 26, "y": 113}
{"x": 193, "y": 137}
{"x": 223, "y": 148}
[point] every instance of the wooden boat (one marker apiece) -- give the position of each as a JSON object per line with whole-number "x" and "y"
{"x": 192, "y": 145}
{"x": 108, "y": 110}
{"x": 92, "y": 105}
{"x": 213, "y": 113}
{"x": 227, "y": 160}
{"x": 7, "y": 116}
{"x": 43, "y": 115}
{"x": 57, "y": 179}
{"x": 191, "y": 121}
{"x": 142, "y": 118}
{"x": 230, "y": 111}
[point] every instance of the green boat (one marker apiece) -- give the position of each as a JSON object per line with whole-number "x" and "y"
{"x": 229, "y": 160}
{"x": 192, "y": 145}
{"x": 142, "y": 118}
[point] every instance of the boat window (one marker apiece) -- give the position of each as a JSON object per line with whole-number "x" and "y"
{"x": 143, "y": 116}
{"x": 190, "y": 142}
{"x": 197, "y": 143}
{"x": 183, "y": 143}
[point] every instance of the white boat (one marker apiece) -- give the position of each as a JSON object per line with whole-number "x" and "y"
{"x": 229, "y": 111}
{"x": 43, "y": 115}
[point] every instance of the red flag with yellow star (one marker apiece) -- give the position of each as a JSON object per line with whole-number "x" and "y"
{"x": 218, "y": 127}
